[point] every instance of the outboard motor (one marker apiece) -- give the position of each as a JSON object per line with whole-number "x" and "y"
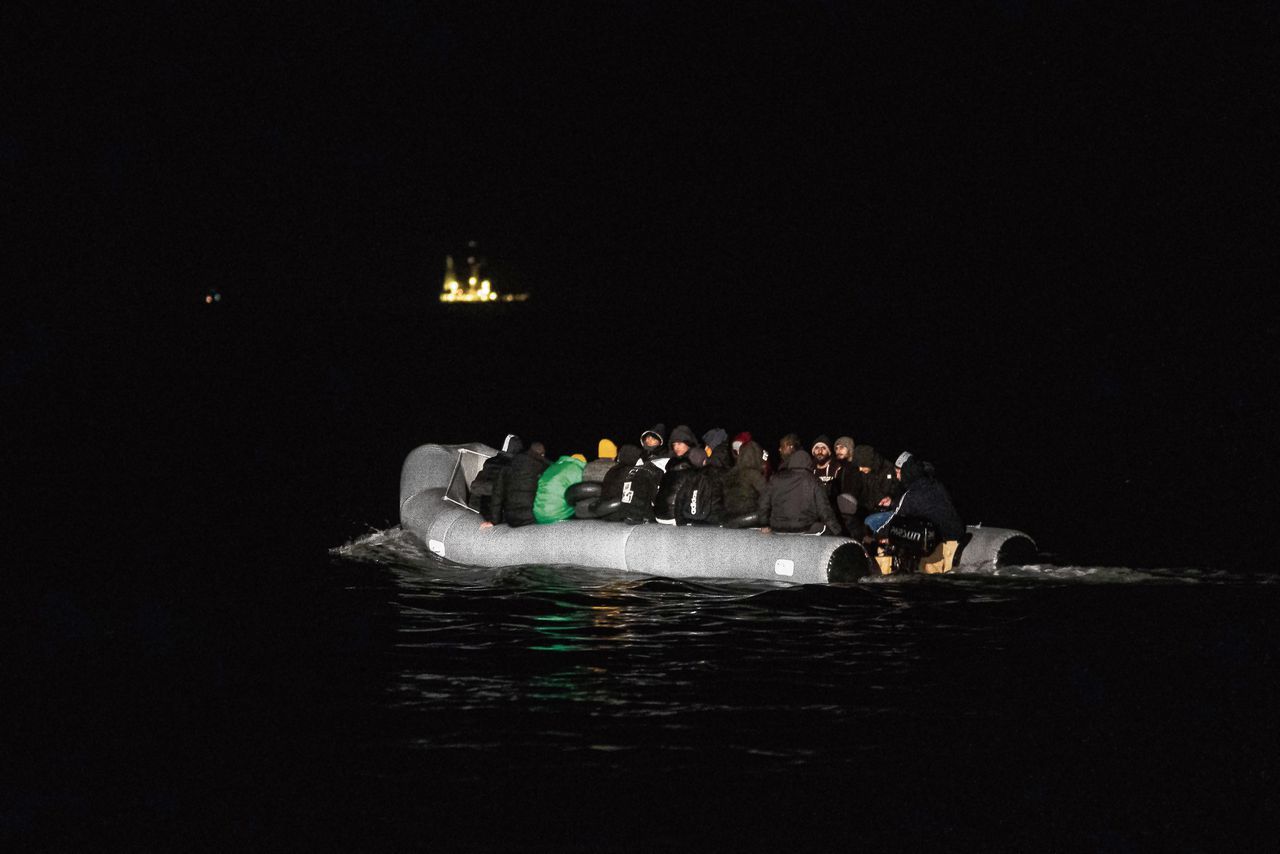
{"x": 910, "y": 539}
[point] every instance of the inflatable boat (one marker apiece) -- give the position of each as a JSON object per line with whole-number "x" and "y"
{"x": 434, "y": 489}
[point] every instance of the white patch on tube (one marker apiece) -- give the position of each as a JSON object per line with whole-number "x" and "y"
{"x": 437, "y": 547}
{"x": 782, "y": 566}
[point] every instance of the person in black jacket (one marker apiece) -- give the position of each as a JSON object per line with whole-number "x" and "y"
{"x": 745, "y": 483}
{"x": 632, "y": 484}
{"x": 700, "y": 499}
{"x": 923, "y": 497}
{"x": 870, "y": 480}
{"x": 480, "y": 496}
{"x": 787, "y": 446}
{"x": 825, "y": 467}
{"x": 653, "y": 444}
{"x": 516, "y": 488}
{"x": 685, "y": 458}
{"x": 795, "y": 501}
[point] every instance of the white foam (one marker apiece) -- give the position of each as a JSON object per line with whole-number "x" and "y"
{"x": 392, "y": 546}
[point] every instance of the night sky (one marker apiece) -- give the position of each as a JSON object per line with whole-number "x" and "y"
{"x": 1031, "y": 241}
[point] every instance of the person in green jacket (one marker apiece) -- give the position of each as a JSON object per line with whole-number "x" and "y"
{"x": 549, "y": 505}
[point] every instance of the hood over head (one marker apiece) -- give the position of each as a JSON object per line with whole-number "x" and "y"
{"x": 698, "y": 457}
{"x": 751, "y": 455}
{"x": 740, "y": 440}
{"x": 902, "y": 459}
{"x": 629, "y": 455}
{"x": 914, "y": 469}
{"x": 800, "y": 459}
{"x": 607, "y": 450}
{"x": 512, "y": 444}
{"x": 659, "y": 430}
{"x": 579, "y": 457}
{"x": 684, "y": 434}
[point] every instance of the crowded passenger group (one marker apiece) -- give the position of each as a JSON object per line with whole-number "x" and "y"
{"x": 836, "y": 487}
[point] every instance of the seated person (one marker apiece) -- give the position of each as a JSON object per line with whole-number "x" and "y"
{"x": 825, "y": 467}
{"x": 795, "y": 501}
{"x": 606, "y": 458}
{"x": 550, "y": 504}
{"x": 924, "y": 497}
{"x": 516, "y": 488}
{"x": 480, "y": 496}
{"x": 700, "y": 499}
{"x": 653, "y": 445}
{"x": 686, "y": 457}
{"x": 629, "y": 488}
{"x": 869, "y": 479}
{"x": 745, "y": 481}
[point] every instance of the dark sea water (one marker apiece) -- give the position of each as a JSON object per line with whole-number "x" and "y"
{"x": 218, "y": 638}
{"x": 1030, "y": 242}
{"x": 369, "y": 696}
{"x": 1101, "y": 708}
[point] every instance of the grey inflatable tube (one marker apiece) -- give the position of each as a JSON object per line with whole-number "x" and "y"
{"x": 432, "y": 482}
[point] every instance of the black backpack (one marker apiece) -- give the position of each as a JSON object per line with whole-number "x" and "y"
{"x": 701, "y": 498}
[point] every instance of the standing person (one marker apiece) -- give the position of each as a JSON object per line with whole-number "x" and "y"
{"x": 745, "y": 482}
{"x": 629, "y": 488}
{"x": 795, "y": 502}
{"x": 517, "y": 487}
{"x": 550, "y": 505}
